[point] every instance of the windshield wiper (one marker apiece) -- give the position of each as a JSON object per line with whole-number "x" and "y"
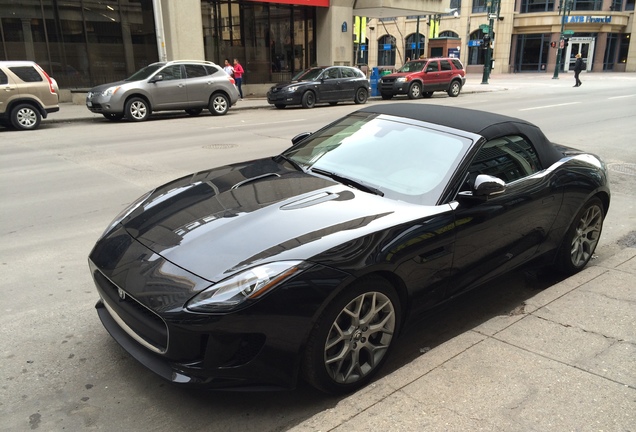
{"x": 291, "y": 161}
{"x": 347, "y": 181}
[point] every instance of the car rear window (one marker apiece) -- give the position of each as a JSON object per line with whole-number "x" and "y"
{"x": 26, "y": 73}
{"x": 457, "y": 64}
{"x": 195, "y": 71}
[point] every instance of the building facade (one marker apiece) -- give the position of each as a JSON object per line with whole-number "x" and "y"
{"x": 82, "y": 43}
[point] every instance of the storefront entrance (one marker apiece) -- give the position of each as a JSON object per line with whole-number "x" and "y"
{"x": 583, "y": 45}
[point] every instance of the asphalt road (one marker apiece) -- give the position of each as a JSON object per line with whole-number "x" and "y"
{"x": 61, "y": 185}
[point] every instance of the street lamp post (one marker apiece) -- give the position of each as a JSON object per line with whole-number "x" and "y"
{"x": 493, "y": 13}
{"x": 564, "y": 8}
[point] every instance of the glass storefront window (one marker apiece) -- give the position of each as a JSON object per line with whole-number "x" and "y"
{"x": 532, "y": 53}
{"x": 532, "y": 6}
{"x": 386, "y": 51}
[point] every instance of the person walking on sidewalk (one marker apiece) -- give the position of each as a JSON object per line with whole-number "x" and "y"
{"x": 228, "y": 68}
{"x": 578, "y": 67}
{"x": 238, "y": 76}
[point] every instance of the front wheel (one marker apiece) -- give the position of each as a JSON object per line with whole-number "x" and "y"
{"x": 581, "y": 238}
{"x": 309, "y": 99}
{"x": 454, "y": 89}
{"x": 361, "y": 95}
{"x": 415, "y": 91}
{"x": 353, "y": 337}
{"x": 137, "y": 109}
{"x": 25, "y": 117}
{"x": 219, "y": 104}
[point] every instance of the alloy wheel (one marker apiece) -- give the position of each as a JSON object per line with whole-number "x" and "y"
{"x": 587, "y": 234}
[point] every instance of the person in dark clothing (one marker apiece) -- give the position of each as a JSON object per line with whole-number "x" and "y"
{"x": 578, "y": 67}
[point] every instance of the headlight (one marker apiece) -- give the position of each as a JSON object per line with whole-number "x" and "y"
{"x": 401, "y": 79}
{"x": 110, "y": 91}
{"x": 249, "y": 284}
{"x": 125, "y": 212}
{"x": 292, "y": 89}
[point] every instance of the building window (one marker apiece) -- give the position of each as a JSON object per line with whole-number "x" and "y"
{"x": 587, "y": 5}
{"x": 480, "y": 6}
{"x": 532, "y": 53}
{"x": 412, "y": 50}
{"x": 448, "y": 34}
{"x": 624, "y": 48}
{"x": 611, "y": 49}
{"x": 386, "y": 51}
{"x": 629, "y": 5}
{"x": 476, "y": 51}
{"x": 532, "y": 6}
{"x": 617, "y": 5}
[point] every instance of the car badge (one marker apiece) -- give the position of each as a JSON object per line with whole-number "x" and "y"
{"x": 122, "y": 293}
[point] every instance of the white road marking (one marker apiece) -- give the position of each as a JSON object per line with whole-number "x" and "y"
{"x": 620, "y": 97}
{"x": 256, "y": 124}
{"x": 550, "y": 106}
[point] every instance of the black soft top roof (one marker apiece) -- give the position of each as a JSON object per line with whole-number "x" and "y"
{"x": 488, "y": 125}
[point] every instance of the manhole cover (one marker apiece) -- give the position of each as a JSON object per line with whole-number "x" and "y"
{"x": 625, "y": 168}
{"x": 220, "y": 146}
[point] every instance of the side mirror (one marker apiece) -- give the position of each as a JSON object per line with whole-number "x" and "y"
{"x": 301, "y": 136}
{"x": 487, "y": 185}
{"x": 157, "y": 78}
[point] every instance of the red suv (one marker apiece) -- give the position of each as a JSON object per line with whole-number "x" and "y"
{"x": 420, "y": 78}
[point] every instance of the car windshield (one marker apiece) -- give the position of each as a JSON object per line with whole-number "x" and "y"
{"x": 414, "y": 66}
{"x": 401, "y": 158}
{"x": 146, "y": 72}
{"x": 309, "y": 74}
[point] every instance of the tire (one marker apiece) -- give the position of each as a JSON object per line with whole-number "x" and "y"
{"x": 386, "y": 96}
{"x": 415, "y": 91}
{"x": 113, "y": 117}
{"x": 333, "y": 103}
{"x": 25, "y": 117}
{"x": 427, "y": 95}
{"x": 309, "y": 99}
{"x": 219, "y": 104}
{"x": 194, "y": 111}
{"x": 137, "y": 109}
{"x": 582, "y": 237}
{"x": 361, "y": 96}
{"x": 454, "y": 89}
{"x": 280, "y": 106}
{"x": 352, "y": 337}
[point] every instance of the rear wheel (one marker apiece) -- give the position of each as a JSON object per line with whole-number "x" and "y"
{"x": 361, "y": 95}
{"x": 25, "y": 117}
{"x": 309, "y": 99}
{"x": 194, "y": 111}
{"x": 113, "y": 116}
{"x": 454, "y": 89}
{"x": 582, "y": 237}
{"x": 219, "y": 104}
{"x": 137, "y": 109}
{"x": 353, "y": 337}
{"x": 415, "y": 91}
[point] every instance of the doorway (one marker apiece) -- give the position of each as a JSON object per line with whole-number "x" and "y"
{"x": 585, "y": 46}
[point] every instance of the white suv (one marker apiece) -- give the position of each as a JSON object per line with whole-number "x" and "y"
{"x": 27, "y": 94}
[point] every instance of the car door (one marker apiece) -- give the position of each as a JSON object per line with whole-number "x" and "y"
{"x": 170, "y": 92}
{"x": 329, "y": 87}
{"x": 445, "y": 74}
{"x": 199, "y": 85}
{"x": 496, "y": 234}
{"x": 431, "y": 76}
{"x": 348, "y": 82}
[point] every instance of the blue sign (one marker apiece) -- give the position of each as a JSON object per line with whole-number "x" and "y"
{"x": 387, "y": 47}
{"x": 474, "y": 43}
{"x": 344, "y": 27}
{"x": 587, "y": 19}
{"x": 363, "y": 47}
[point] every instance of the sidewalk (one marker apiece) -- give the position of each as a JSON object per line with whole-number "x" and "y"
{"x": 566, "y": 362}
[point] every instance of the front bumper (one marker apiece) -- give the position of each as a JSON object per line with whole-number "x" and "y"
{"x": 99, "y": 104}
{"x": 284, "y": 98}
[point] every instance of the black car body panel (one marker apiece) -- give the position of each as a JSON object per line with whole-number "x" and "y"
{"x": 195, "y": 232}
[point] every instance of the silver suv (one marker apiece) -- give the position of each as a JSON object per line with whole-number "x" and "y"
{"x": 175, "y": 85}
{"x": 27, "y": 94}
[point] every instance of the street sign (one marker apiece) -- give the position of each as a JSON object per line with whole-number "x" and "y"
{"x": 568, "y": 32}
{"x": 484, "y": 28}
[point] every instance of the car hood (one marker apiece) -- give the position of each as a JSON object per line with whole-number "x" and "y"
{"x": 398, "y": 74}
{"x": 101, "y": 88}
{"x": 283, "y": 85}
{"x": 217, "y": 222}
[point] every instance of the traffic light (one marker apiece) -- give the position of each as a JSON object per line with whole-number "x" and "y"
{"x": 486, "y": 41}
{"x": 553, "y": 44}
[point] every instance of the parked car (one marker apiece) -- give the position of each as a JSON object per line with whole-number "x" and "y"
{"x": 27, "y": 94}
{"x": 176, "y": 85}
{"x": 420, "y": 78}
{"x": 310, "y": 263}
{"x": 331, "y": 84}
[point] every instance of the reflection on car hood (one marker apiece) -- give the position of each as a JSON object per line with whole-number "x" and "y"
{"x": 282, "y": 85}
{"x": 101, "y": 88}
{"x": 216, "y": 222}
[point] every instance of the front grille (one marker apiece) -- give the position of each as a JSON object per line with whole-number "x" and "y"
{"x": 138, "y": 321}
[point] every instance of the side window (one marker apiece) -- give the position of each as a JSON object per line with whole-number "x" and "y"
{"x": 508, "y": 158}
{"x": 347, "y": 73}
{"x": 211, "y": 70}
{"x": 458, "y": 64}
{"x": 445, "y": 65}
{"x": 26, "y": 73}
{"x": 3, "y": 78}
{"x": 332, "y": 73}
{"x": 171, "y": 72}
{"x": 432, "y": 66}
{"x": 195, "y": 71}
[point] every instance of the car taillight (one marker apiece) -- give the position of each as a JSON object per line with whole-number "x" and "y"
{"x": 48, "y": 78}
{"x": 232, "y": 80}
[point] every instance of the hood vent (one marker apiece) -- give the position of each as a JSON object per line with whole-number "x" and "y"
{"x": 254, "y": 179}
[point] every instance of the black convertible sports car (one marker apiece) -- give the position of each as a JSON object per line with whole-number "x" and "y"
{"x": 309, "y": 263}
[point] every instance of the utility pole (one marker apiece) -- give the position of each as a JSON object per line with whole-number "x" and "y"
{"x": 494, "y": 8}
{"x": 564, "y": 8}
